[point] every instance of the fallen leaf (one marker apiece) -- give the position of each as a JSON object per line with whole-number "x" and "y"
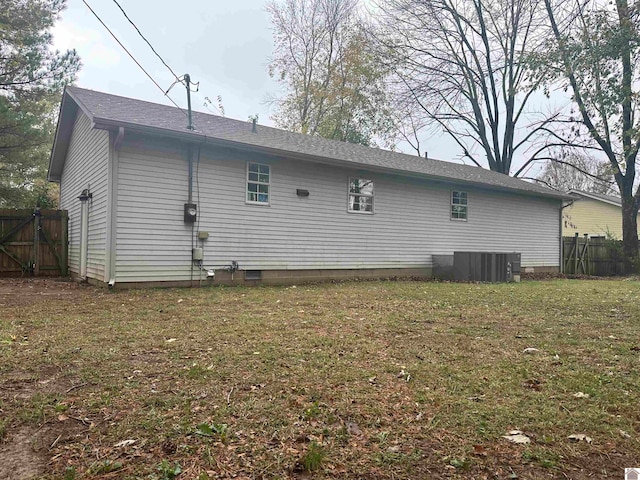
{"x": 530, "y": 350}
{"x": 62, "y": 418}
{"x": 533, "y": 384}
{"x": 581, "y": 395}
{"x": 353, "y": 429}
{"x": 516, "y": 436}
{"x": 624, "y": 434}
{"x": 580, "y": 437}
{"x": 479, "y": 450}
{"x": 479, "y": 398}
{"x": 125, "y": 443}
{"x": 171, "y": 340}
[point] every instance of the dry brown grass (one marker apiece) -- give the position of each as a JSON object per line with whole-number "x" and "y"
{"x": 352, "y": 380}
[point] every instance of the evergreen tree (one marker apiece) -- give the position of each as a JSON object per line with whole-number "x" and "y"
{"x": 32, "y": 76}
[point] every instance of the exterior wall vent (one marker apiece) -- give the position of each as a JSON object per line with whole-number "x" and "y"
{"x": 253, "y": 274}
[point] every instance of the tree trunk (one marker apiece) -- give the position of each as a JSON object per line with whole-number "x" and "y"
{"x": 630, "y": 234}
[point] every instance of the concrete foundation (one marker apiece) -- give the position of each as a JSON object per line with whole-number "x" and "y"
{"x": 299, "y": 277}
{"x": 284, "y": 277}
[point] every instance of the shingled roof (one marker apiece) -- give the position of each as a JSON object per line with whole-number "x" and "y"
{"x": 112, "y": 111}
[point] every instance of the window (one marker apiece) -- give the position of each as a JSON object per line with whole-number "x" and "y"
{"x": 258, "y": 180}
{"x": 459, "y": 208}
{"x": 360, "y": 195}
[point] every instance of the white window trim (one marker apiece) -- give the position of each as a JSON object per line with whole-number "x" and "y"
{"x": 246, "y": 185}
{"x": 451, "y": 205}
{"x": 372, "y": 195}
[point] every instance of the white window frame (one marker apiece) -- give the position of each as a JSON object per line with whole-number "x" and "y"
{"x": 453, "y": 204}
{"x": 257, "y": 182}
{"x": 369, "y": 195}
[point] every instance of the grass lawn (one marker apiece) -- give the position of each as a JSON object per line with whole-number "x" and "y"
{"x": 402, "y": 380}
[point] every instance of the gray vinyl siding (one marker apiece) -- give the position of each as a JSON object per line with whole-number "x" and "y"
{"x": 153, "y": 242}
{"x": 410, "y": 224}
{"x": 86, "y": 166}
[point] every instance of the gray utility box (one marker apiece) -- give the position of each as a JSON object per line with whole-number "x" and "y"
{"x": 486, "y": 267}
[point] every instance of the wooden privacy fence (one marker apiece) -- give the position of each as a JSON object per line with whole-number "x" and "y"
{"x": 592, "y": 256}
{"x": 33, "y": 242}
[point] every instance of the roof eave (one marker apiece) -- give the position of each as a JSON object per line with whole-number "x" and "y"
{"x": 194, "y": 136}
{"x": 593, "y": 197}
{"x": 64, "y": 127}
{"x": 109, "y": 124}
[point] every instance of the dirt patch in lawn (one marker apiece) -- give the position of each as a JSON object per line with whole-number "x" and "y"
{"x": 26, "y": 452}
{"x": 19, "y": 459}
{"x": 23, "y": 291}
{"x": 40, "y": 424}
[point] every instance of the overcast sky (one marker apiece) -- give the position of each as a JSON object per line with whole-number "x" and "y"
{"x": 224, "y": 45}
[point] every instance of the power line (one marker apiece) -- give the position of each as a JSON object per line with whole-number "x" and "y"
{"x": 179, "y": 79}
{"x": 132, "y": 57}
{"x": 147, "y": 41}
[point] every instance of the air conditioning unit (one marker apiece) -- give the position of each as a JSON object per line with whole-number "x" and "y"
{"x": 486, "y": 266}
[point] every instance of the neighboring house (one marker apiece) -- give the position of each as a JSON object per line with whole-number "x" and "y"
{"x": 286, "y": 207}
{"x": 594, "y": 214}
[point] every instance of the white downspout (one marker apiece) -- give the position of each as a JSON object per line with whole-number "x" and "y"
{"x": 115, "y": 160}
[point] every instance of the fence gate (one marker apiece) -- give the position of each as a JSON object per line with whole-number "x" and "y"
{"x": 33, "y": 242}
{"x": 592, "y": 256}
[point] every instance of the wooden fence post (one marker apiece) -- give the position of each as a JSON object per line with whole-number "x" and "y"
{"x": 587, "y": 260}
{"x": 36, "y": 242}
{"x": 575, "y": 258}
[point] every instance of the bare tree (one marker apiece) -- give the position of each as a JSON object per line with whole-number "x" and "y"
{"x": 570, "y": 171}
{"x": 407, "y": 124}
{"x": 463, "y": 63}
{"x": 595, "y": 53}
{"x": 333, "y": 83}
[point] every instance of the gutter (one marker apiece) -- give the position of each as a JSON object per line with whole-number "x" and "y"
{"x": 580, "y": 193}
